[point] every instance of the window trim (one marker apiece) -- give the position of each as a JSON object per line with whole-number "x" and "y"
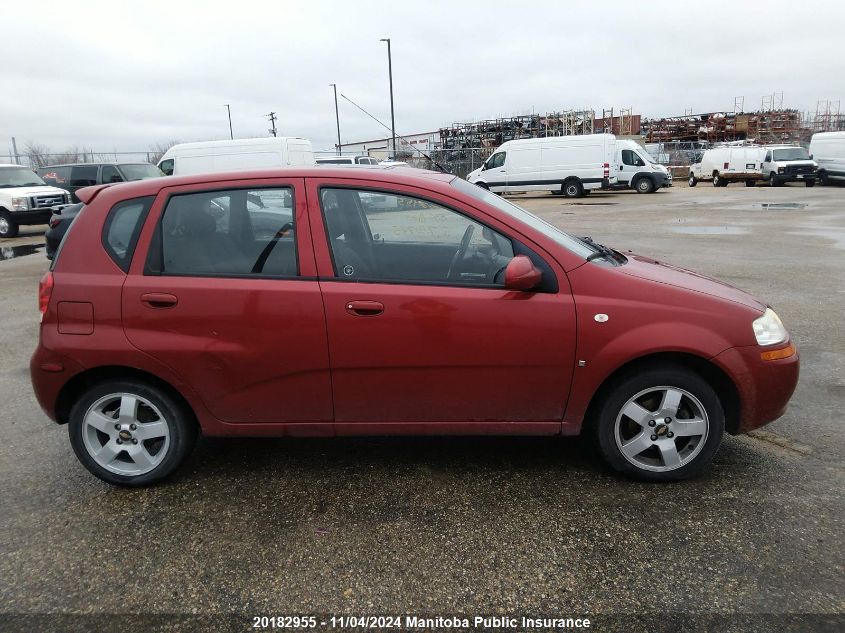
{"x": 523, "y": 249}
{"x": 116, "y": 168}
{"x": 124, "y": 265}
{"x": 155, "y": 250}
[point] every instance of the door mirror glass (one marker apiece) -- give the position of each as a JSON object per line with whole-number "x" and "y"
{"x": 522, "y": 274}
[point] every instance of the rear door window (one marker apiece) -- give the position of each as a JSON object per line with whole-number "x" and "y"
{"x": 235, "y": 232}
{"x": 110, "y": 174}
{"x": 83, "y": 175}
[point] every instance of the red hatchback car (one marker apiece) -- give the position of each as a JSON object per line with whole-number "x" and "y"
{"x": 330, "y": 301}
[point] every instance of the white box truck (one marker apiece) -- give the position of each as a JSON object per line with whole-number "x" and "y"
{"x": 236, "y": 155}
{"x": 729, "y": 163}
{"x": 570, "y": 165}
{"x": 828, "y": 150}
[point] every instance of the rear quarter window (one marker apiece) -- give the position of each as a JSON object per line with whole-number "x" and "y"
{"x": 122, "y": 228}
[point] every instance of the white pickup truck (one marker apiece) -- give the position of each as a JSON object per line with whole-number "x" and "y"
{"x": 26, "y": 199}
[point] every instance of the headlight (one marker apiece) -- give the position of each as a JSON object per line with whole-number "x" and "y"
{"x": 20, "y": 204}
{"x": 768, "y": 329}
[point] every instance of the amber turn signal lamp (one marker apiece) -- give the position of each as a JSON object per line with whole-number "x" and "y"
{"x": 777, "y": 354}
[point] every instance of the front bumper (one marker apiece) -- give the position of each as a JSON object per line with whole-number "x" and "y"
{"x": 41, "y": 215}
{"x": 764, "y": 386}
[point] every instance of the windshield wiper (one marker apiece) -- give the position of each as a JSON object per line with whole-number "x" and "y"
{"x": 602, "y": 250}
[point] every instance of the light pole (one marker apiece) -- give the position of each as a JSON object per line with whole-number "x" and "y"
{"x": 392, "y": 119}
{"x": 337, "y": 117}
{"x": 229, "y": 110}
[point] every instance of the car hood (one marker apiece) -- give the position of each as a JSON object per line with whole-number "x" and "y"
{"x": 661, "y": 272}
{"x": 33, "y": 191}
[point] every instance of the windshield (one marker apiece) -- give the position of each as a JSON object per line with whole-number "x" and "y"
{"x": 140, "y": 171}
{"x": 569, "y": 242}
{"x": 791, "y": 153}
{"x": 646, "y": 156}
{"x": 19, "y": 177}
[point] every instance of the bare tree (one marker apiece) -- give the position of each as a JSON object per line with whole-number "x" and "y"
{"x": 69, "y": 155}
{"x": 37, "y": 154}
{"x": 158, "y": 150}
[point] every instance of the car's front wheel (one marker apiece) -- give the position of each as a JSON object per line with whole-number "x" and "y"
{"x": 8, "y": 227}
{"x": 130, "y": 433}
{"x": 662, "y": 424}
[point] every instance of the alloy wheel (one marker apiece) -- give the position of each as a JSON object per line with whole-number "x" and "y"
{"x": 126, "y": 434}
{"x": 661, "y": 428}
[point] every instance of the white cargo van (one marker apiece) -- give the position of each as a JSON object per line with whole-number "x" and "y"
{"x": 788, "y": 163}
{"x": 828, "y": 150}
{"x": 637, "y": 169}
{"x": 571, "y": 165}
{"x": 237, "y": 155}
{"x": 729, "y": 163}
{"x": 568, "y": 165}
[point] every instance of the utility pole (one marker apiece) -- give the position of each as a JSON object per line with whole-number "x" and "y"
{"x": 392, "y": 119}
{"x": 229, "y": 110}
{"x": 336, "y": 117}
{"x": 272, "y": 117}
{"x": 15, "y": 150}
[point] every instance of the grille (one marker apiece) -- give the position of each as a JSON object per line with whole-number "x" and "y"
{"x": 43, "y": 202}
{"x": 799, "y": 169}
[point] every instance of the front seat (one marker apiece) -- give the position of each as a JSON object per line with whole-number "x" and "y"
{"x": 347, "y": 244}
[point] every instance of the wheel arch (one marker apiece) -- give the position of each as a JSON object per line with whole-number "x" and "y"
{"x": 722, "y": 384}
{"x": 83, "y": 381}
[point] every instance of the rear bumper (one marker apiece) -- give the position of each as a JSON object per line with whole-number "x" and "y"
{"x": 764, "y": 387}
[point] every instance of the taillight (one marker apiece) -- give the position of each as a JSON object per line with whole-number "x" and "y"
{"x": 607, "y": 170}
{"x": 55, "y": 220}
{"x": 45, "y": 289}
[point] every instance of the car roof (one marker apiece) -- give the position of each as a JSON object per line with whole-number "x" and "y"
{"x": 99, "y": 162}
{"x": 399, "y": 175}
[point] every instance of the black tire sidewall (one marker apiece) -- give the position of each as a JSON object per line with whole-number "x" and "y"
{"x": 13, "y": 226}
{"x": 649, "y": 185}
{"x": 183, "y": 431}
{"x": 577, "y": 192}
{"x": 625, "y": 388}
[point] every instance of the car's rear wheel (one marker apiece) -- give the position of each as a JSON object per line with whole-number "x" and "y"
{"x": 572, "y": 188}
{"x": 693, "y": 181}
{"x": 130, "y": 433}
{"x": 8, "y": 227}
{"x": 662, "y": 424}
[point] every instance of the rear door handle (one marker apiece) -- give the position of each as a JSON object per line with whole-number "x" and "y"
{"x": 159, "y": 300}
{"x": 364, "y": 308}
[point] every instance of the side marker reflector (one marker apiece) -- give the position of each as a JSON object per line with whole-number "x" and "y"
{"x": 778, "y": 354}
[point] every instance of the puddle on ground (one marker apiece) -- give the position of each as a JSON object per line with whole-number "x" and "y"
{"x": 775, "y": 206}
{"x": 10, "y": 252}
{"x": 710, "y": 230}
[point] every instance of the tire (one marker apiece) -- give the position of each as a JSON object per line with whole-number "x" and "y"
{"x": 773, "y": 180}
{"x": 8, "y": 227}
{"x": 693, "y": 181}
{"x": 823, "y": 179}
{"x": 142, "y": 452}
{"x": 750, "y": 183}
{"x": 718, "y": 181}
{"x": 669, "y": 457}
{"x": 644, "y": 185}
{"x": 809, "y": 183}
{"x": 572, "y": 188}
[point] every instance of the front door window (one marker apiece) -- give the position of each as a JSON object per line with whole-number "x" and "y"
{"x": 378, "y": 236}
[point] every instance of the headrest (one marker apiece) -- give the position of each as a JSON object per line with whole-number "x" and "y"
{"x": 198, "y": 223}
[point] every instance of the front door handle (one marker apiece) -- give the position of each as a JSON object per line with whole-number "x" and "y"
{"x": 159, "y": 300}
{"x": 364, "y": 308}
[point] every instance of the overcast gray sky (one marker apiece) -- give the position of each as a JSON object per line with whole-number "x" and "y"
{"x": 113, "y": 75}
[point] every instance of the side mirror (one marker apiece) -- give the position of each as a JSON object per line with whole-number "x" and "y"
{"x": 522, "y": 274}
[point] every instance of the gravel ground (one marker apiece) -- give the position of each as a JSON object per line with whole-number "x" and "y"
{"x": 438, "y": 526}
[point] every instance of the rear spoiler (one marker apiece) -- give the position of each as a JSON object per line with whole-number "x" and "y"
{"x": 87, "y": 194}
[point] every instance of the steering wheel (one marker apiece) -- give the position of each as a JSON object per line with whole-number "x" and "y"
{"x": 462, "y": 249}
